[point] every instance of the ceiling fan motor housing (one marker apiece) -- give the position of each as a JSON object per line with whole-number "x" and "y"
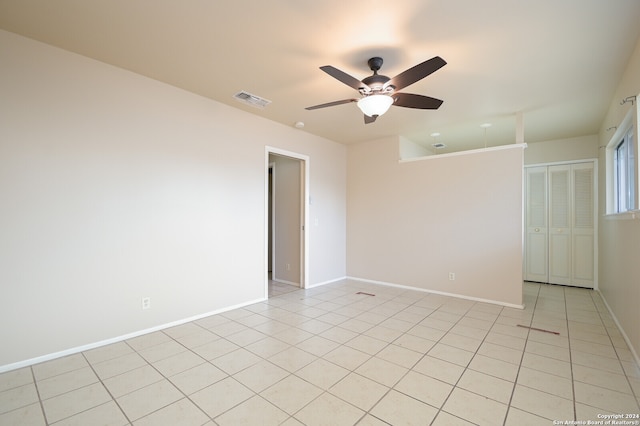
{"x": 375, "y": 64}
{"x": 376, "y": 82}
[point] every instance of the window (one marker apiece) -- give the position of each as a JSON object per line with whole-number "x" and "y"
{"x": 622, "y": 165}
{"x": 624, "y": 187}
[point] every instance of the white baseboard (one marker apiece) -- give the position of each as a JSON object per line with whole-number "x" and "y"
{"x": 624, "y": 335}
{"x": 285, "y": 282}
{"x": 71, "y": 351}
{"x": 441, "y": 293}
{"x": 335, "y": 280}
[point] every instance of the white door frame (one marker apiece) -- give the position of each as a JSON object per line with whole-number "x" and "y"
{"x": 304, "y": 201}
{"x": 270, "y": 262}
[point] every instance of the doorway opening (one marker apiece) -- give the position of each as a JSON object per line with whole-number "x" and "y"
{"x": 286, "y": 216}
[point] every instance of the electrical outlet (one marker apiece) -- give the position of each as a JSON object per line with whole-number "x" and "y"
{"x": 288, "y": 266}
{"x": 146, "y": 302}
{"x": 452, "y": 276}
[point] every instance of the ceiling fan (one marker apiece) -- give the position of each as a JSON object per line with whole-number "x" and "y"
{"x": 378, "y": 92}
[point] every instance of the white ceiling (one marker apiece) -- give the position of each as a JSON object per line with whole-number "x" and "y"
{"x": 555, "y": 61}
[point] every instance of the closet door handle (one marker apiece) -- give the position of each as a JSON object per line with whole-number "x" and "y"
{"x": 537, "y": 229}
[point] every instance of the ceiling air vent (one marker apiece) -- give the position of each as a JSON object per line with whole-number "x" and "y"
{"x": 439, "y": 145}
{"x": 253, "y": 100}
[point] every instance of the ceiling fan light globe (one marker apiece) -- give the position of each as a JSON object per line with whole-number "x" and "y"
{"x": 375, "y": 104}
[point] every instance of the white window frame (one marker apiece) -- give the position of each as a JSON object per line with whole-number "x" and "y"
{"x": 622, "y": 166}
{"x": 624, "y": 174}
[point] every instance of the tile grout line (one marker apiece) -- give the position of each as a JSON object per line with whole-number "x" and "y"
{"x": 362, "y": 333}
{"x": 324, "y": 391}
{"x": 290, "y": 373}
{"x": 436, "y": 342}
{"x": 453, "y": 386}
{"x": 106, "y": 389}
{"x": 185, "y": 396}
{"x": 115, "y": 400}
{"x": 408, "y": 370}
{"x": 206, "y": 361}
{"x": 633, "y": 393}
{"x": 495, "y": 321}
{"x": 40, "y": 401}
{"x": 358, "y": 334}
{"x": 524, "y": 351}
{"x": 573, "y": 382}
{"x": 231, "y": 376}
{"x": 467, "y": 368}
{"x": 390, "y": 388}
{"x": 168, "y": 379}
{"x": 566, "y": 298}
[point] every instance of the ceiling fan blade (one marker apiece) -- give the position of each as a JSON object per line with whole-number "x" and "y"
{"x": 409, "y": 100}
{"x": 368, "y": 119}
{"x": 416, "y": 73}
{"x": 328, "y": 104}
{"x": 344, "y": 77}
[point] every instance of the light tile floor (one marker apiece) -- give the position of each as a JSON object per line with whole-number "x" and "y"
{"x": 329, "y": 356}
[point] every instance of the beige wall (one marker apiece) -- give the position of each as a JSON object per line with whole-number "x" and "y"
{"x": 411, "y": 223}
{"x": 619, "y": 236}
{"x": 580, "y": 148}
{"x": 115, "y": 187}
{"x": 409, "y": 149}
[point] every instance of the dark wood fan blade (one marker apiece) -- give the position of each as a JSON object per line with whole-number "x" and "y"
{"x": 368, "y": 119}
{"x": 328, "y": 104}
{"x": 409, "y": 100}
{"x": 344, "y": 77}
{"x": 416, "y": 73}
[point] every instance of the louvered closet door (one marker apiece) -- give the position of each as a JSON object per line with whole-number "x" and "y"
{"x": 583, "y": 224}
{"x": 560, "y": 259}
{"x": 536, "y": 254}
{"x": 560, "y": 217}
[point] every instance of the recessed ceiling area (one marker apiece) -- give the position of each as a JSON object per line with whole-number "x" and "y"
{"x": 556, "y": 63}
